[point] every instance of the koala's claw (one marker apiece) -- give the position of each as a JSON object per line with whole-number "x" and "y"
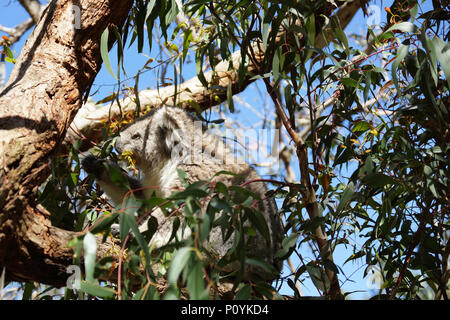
{"x": 92, "y": 165}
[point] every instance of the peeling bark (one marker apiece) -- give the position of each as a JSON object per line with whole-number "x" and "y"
{"x": 56, "y": 67}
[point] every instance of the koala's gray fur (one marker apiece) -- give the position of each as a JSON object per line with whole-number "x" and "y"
{"x": 168, "y": 139}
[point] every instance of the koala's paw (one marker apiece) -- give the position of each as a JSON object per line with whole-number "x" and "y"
{"x": 92, "y": 165}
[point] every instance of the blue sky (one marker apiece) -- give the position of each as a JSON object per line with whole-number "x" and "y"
{"x": 11, "y": 13}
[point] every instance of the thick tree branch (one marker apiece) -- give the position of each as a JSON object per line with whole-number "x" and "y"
{"x": 17, "y": 32}
{"x": 34, "y": 9}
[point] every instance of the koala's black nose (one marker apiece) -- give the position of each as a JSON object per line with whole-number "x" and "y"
{"x": 118, "y": 145}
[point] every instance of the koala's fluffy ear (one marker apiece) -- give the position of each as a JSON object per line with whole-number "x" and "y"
{"x": 171, "y": 131}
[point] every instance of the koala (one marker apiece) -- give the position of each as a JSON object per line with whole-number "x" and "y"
{"x": 167, "y": 139}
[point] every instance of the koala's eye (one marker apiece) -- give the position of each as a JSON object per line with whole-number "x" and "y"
{"x": 136, "y": 136}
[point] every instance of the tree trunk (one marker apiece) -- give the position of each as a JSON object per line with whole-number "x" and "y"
{"x": 55, "y": 69}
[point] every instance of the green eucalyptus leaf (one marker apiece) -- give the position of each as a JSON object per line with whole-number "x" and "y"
{"x": 104, "y": 49}
{"x": 179, "y": 261}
